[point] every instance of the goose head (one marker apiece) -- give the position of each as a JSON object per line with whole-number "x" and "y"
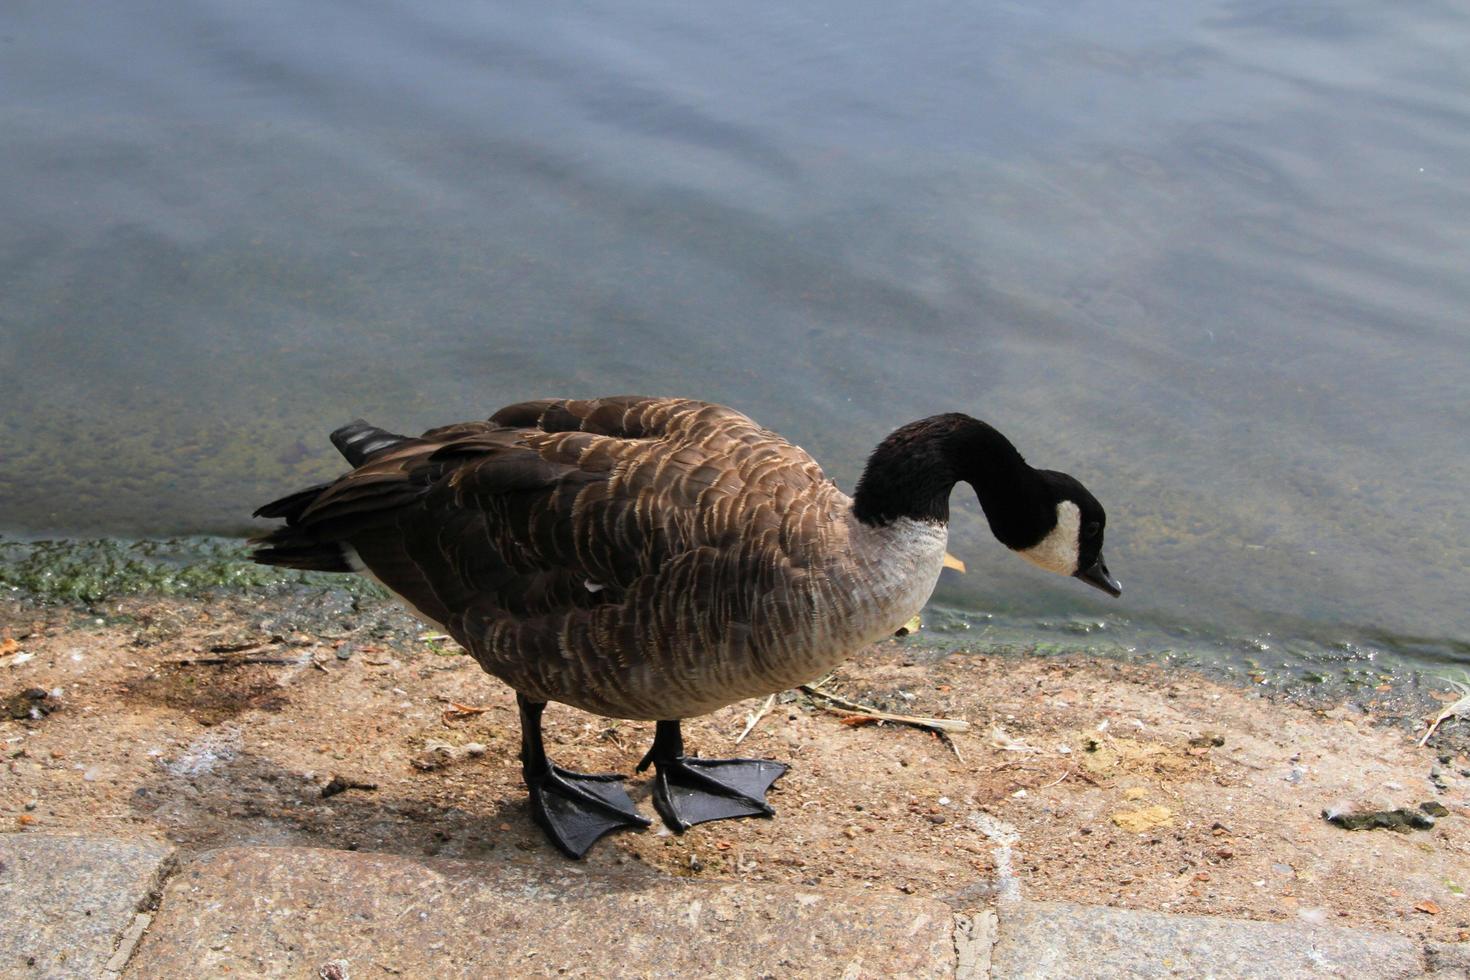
{"x": 1048, "y": 518}
{"x": 1070, "y": 525}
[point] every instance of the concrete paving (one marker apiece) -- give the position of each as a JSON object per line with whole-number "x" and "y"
{"x": 1059, "y": 941}
{"x": 67, "y": 903}
{"x": 297, "y": 912}
{"x": 76, "y": 907}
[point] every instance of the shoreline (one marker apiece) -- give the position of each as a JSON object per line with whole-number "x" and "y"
{"x": 1314, "y": 664}
{"x": 219, "y": 722}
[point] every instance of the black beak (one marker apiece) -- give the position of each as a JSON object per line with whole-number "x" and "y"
{"x": 1099, "y": 577}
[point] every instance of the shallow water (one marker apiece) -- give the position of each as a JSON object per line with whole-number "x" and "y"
{"x": 1208, "y": 257}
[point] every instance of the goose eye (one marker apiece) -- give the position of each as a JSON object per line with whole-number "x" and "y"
{"x": 1092, "y": 529}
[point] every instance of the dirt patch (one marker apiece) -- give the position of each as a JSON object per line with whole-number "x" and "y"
{"x": 1078, "y": 780}
{"x": 210, "y": 690}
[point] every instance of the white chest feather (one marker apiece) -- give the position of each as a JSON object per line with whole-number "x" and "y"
{"x": 897, "y": 566}
{"x": 1059, "y": 551}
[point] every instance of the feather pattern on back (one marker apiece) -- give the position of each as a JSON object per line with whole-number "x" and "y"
{"x": 639, "y": 557}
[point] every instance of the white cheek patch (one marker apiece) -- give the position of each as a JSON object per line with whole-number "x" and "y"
{"x": 1059, "y": 551}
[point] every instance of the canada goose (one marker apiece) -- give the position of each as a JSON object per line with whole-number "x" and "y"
{"x": 657, "y": 558}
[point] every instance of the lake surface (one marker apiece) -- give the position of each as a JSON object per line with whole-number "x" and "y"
{"x": 1213, "y": 258}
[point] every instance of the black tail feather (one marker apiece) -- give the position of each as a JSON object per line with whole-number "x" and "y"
{"x": 290, "y": 548}
{"x": 359, "y": 442}
{"x": 312, "y": 549}
{"x": 289, "y": 507}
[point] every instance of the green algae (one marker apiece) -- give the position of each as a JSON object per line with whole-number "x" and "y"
{"x": 97, "y": 569}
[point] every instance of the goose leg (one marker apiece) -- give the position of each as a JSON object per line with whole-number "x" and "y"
{"x": 690, "y": 791}
{"x": 574, "y": 808}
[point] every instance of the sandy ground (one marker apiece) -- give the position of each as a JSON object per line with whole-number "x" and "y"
{"x": 221, "y": 722}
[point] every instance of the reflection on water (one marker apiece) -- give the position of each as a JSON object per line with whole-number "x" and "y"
{"x": 1209, "y": 258}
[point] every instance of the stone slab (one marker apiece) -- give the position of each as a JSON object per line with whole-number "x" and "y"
{"x": 1446, "y": 960}
{"x": 1059, "y": 941}
{"x": 974, "y": 937}
{"x": 67, "y": 901}
{"x": 299, "y": 912}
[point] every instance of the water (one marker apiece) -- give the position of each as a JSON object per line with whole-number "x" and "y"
{"x": 1207, "y": 256}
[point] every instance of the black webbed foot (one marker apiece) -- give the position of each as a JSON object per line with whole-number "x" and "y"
{"x": 693, "y": 791}
{"x": 575, "y": 809}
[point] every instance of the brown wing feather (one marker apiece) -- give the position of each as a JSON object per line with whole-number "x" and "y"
{"x": 563, "y": 536}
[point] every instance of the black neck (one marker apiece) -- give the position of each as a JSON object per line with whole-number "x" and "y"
{"x": 912, "y": 472}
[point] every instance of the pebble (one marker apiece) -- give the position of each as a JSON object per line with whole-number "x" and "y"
{"x": 435, "y": 755}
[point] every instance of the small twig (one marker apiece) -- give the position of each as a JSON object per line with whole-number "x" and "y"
{"x": 611, "y": 735}
{"x": 953, "y": 745}
{"x": 319, "y": 665}
{"x": 816, "y": 691}
{"x": 238, "y": 647}
{"x": 1459, "y": 709}
{"x": 1443, "y": 717}
{"x": 238, "y": 661}
{"x": 752, "y": 720}
{"x": 861, "y": 714}
{"x": 578, "y": 739}
{"x": 1058, "y": 780}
